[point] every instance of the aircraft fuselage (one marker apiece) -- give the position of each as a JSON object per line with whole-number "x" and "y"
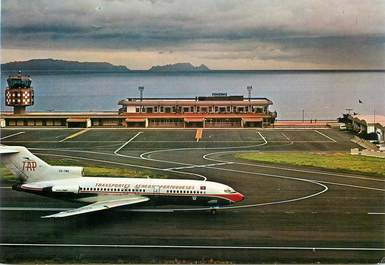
{"x": 160, "y": 191}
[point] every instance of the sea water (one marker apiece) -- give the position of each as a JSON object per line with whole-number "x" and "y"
{"x": 319, "y": 95}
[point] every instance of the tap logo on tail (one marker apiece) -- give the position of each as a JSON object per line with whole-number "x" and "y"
{"x": 29, "y": 165}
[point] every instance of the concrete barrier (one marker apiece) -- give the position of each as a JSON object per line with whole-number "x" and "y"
{"x": 364, "y": 143}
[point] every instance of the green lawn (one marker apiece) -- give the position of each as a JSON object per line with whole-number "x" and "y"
{"x": 89, "y": 170}
{"x": 5, "y": 174}
{"x": 336, "y": 161}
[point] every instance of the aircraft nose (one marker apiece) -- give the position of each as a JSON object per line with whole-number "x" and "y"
{"x": 240, "y": 197}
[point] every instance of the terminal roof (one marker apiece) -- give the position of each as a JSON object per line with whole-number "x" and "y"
{"x": 192, "y": 101}
{"x": 371, "y": 119}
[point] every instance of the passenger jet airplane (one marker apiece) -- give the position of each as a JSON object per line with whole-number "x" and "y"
{"x": 101, "y": 193}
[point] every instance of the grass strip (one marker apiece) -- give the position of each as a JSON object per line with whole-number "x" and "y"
{"x": 336, "y": 161}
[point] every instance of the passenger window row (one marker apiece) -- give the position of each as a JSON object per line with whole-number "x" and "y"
{"x": 111, "y": 189}
{"x": 185, "y": 191}
{"x": 139, "y": 190}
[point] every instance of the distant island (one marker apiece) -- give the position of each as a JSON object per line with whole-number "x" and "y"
{"x": 56, "y": 66}
{"x": 179, "y": 67}
{"x": 52, "y": 65}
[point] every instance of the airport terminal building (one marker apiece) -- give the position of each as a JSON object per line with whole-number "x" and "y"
{"x": 201, "y": 112}
{"x": 216, "y": 111}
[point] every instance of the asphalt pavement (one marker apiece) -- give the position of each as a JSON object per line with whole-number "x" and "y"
{"x": 291, "y": 214}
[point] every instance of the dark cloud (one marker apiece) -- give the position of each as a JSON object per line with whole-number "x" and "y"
{"x": 319, "y": 31}
{"x": 358, "y": 51}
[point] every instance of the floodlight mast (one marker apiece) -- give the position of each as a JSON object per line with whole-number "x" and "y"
{"x": 249, "y": 88}
{"x": 141, "y": 89}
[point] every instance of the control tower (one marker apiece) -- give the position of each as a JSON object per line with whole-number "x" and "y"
{"x": 19, "y": 93}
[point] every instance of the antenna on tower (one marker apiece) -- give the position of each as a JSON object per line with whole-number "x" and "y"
{"x": 249, "y": 88}
{"x": 141, "y": 88}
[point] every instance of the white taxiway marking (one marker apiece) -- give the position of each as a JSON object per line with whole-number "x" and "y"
{"x": 324, "y": 135}
{"x": 123, "y": 164}
{"x": 33, "y": 209}
{"x": 255, "y": 141}
{"x": 263, "y": 138}
{"x": 120, "y": 155}
{"x": 126, "y": 143}
{"x": 315, "y": 181}
{"x": 229, "y": 147}
{"x": 195, "y": 166}
{"x": 5, "y": 187}
{"x": 9, "y": 136}
{"x": 40, "y": 209}
{"x": 191, "y": 247}
{"x": 284, "y": 135}
{"x": 325, "y": 188}
{"x": 351, "y": 186}
{"x": 42, "y": 141}
{"x": 147, "y": 154}
{"x": 102, "y": 161}
{"x": 170, "y": 169}
{"x": 376, "y": 213}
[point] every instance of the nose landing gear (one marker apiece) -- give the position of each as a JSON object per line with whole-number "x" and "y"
{"x": 213, "y": 211}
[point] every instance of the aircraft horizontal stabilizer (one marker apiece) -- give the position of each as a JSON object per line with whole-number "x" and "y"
{"x": 7, "y": 150}
{"x": 98, "y": 206}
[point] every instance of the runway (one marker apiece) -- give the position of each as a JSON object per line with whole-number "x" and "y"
{"x": 291, "y": 214}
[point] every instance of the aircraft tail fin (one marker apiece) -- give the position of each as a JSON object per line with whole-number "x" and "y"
{"x": 29, "y": 168}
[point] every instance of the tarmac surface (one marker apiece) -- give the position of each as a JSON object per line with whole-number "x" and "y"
{"x": 291, "y": 214}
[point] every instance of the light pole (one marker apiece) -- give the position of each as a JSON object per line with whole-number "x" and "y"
{"x": 249, "y": 88}
{"x": 141, "y": 88}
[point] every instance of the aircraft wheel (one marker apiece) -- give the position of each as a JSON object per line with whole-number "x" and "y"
{"x": 213, "y": 211}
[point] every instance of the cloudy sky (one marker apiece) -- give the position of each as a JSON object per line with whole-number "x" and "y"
{"x": 223, "y": 34}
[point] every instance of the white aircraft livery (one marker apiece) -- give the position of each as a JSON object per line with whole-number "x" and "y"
{"x": 101, "y": 193}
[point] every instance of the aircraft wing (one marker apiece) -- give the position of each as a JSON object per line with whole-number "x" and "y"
{"x": 98, "y": 206}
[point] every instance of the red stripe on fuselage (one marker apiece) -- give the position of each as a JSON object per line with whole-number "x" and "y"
{"x": 235, "y": 197}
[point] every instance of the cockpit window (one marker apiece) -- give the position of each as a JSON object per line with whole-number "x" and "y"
{"x": 229, "y": 191}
